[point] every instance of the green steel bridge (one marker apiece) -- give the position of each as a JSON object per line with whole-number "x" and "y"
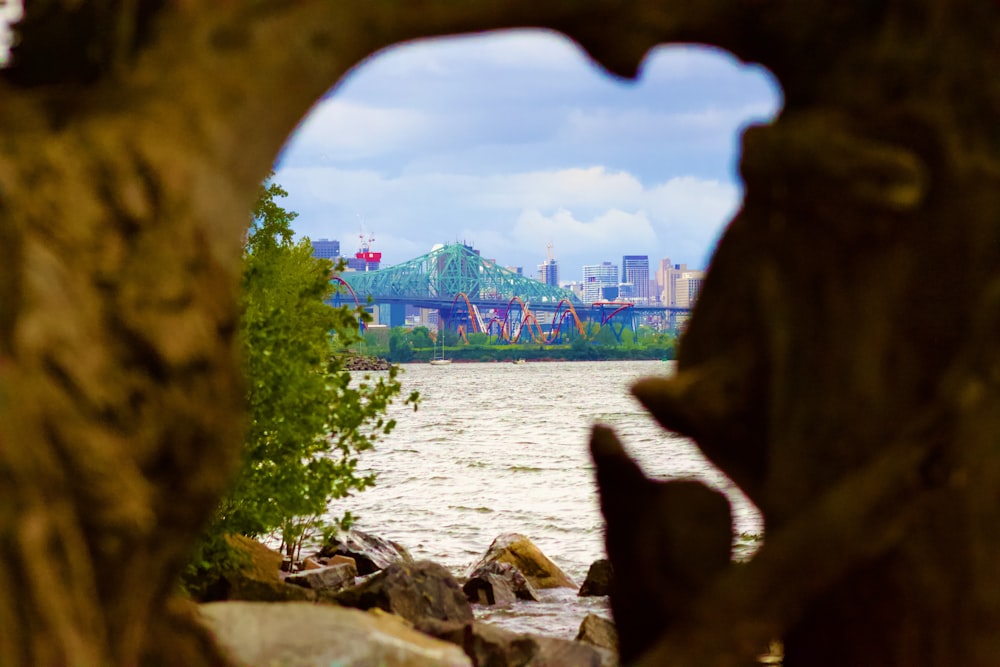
{"x": 435, "y": 279}
{"x": 463, "y": 286}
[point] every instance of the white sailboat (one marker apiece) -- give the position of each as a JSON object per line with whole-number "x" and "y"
{"x": 440, "y": 361}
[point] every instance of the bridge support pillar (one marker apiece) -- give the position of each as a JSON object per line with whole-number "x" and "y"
{"x": 396, "y": 315}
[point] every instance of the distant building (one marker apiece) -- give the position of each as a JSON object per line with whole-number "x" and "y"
{"x": 678, "y": 285}
{"x": 688, "y": 287}
{"x": 635, "y": 273}
{"x": 365, "y": 259}
{"x": 363, "y": 263}
{"x": 326, "y": 249}
{"x": 548, "y": 272}
{"x": 610, "y": 293}
{"x": 597, "y": 277}
{"x": 575, "y": 287}
{"x": 662, "y": 279}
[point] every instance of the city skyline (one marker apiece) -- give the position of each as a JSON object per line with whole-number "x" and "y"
{"x": 513, "y": 141}
{"x": 548, "y": 271}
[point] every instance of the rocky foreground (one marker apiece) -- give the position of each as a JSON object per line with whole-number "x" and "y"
{"x": 362, "y": 600}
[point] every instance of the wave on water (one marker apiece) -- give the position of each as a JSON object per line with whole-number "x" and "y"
{"x": 451, "y": 477}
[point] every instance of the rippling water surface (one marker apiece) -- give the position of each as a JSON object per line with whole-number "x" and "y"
{"x": 499, "y": 447}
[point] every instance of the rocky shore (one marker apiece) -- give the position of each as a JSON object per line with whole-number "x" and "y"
{"x": 364, "y": 600}
{"x": 359, "y": 362}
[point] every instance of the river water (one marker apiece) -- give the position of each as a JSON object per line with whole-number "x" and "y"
{"x": 500, "y": 447}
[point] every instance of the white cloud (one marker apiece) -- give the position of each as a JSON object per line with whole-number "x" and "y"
{"x": 708, "y": 124}
{"x": 344, "y": 131}
{"x": 577, "y": 187}
{"x": 590, "y": 215}
{"x": 614, "y": 231}
{"x": 692, "y": 204}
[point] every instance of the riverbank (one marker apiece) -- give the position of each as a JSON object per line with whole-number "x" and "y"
{"x": 514, "y": 353}
{"x": 364, "y": 362}
{"x": 417, "y": 604}
{"x": 358, "y": 571}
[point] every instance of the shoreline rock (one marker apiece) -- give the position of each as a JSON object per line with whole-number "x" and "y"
{"x": 521, "y": 552}
{"x": 399, "y": 607}
{"x": 272, "y": 634}
{"x": 498, "y": 583}
{"x": 370, "y": 552}
{"x": 360, "y": 362}
{"x": 599, "y": 579}
{"x": 414, "y": 590}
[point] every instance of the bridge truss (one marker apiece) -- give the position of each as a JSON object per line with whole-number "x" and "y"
{"x": 444, "y": 273}
{"x": 464, "y": 287}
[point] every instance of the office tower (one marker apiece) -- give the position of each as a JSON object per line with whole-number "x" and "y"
{"x": 635, "y": 274}
{"x": 678, "y": 285}
{"x": 597, "y": 277}
{"x": 688, "y": 286}
{"x": 548, "y": 271}
{"x": 663, "y": 281}
{"x": 326, "y": 249}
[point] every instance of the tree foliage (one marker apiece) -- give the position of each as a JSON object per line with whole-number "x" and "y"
{"x": 308, "y": 417}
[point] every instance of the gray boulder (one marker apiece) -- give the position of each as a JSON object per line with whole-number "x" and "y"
{"x": 598, "y": 631}
{"x": 599, "y": 577}
{"x": 369, "y": 552}
{"x": 491, "y": 646}
{"x": 296, "y": 634}
{"x": 498, "y": 583}
{"x": 329, "y": 578}
{"x": 415, "y": 591}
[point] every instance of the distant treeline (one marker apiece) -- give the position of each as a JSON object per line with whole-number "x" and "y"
{"x": 401, "y": 345}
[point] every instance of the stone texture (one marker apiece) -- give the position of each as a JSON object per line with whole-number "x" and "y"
{"x": 260, "y": 579}
{"x": 329, "y": 578}
{"x": 498, "y": 583}
{"x": 492, "y": 646}
{"x": 312, "y": 564}
{"x": 520, "y": 552}
{"x": 598, "y": 631}
{"x": 370, "y": 552}
{"x": 306, "y": 635}
{"x": 415, "y": 591}
{"x": 599, "y": 578}
{"x": 489, "y": 589}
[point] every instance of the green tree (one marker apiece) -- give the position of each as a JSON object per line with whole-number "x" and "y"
{"x": 478, "y": 338}
{"x": 449, "y": 337}
{"x": 400, "y": 346}
{"x": 421, "y": 338}
{"x": 605, "y": 337}
{"x": 307, "y": 420}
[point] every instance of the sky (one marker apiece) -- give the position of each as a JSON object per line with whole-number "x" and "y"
{"x": 516, "y": 140}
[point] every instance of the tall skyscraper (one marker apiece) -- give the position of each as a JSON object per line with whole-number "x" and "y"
{"x": 635, "y": 272}
{"x": 597, "y": 278}
{"x": 548, "y": 271}
{"x": 663, "y": 292}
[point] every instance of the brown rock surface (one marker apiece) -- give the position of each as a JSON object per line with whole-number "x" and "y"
{"x": 414, "y": 591}
{"x": 521, "y": 552}
{"x": 305, "y": 635}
